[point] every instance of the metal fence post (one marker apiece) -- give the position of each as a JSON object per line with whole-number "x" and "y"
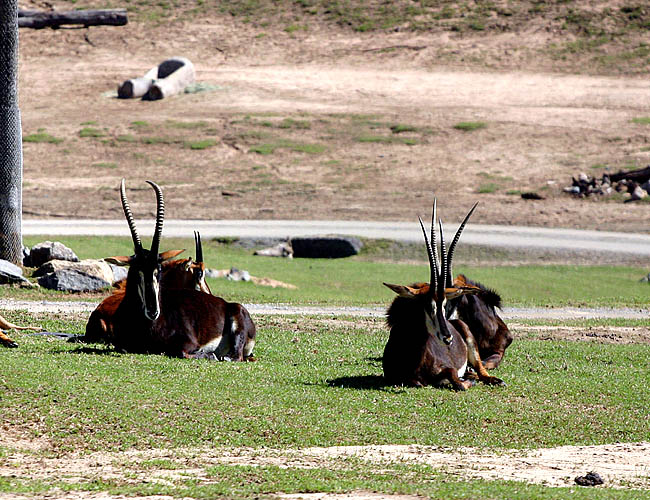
{"x": 11, "y": 148}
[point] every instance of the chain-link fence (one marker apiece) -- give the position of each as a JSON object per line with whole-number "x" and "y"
{"x": 11, "y": 151}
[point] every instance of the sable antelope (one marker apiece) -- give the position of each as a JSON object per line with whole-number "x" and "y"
{"x": 478, "y": 311}
{"x": 99, "y": 326}
{"x": 5, "y": 340}
{"x": 179, "y": 273}
{"x": 424, "y": 347}
{"x": 152, "y": 318}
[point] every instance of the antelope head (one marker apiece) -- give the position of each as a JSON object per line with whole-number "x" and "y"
{"x": 432, "y": 297}
{"x": 143, "y": 280}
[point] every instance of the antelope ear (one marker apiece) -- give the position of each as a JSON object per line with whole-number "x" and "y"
{"x": 170, "y": 254}
{"x": 404, "y": 291}
{"x": 457, "y": 291}
{"x": 122, "y": 260}
{"x": 460, "y": 281}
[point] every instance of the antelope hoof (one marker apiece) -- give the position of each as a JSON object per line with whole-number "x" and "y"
{"x": 495, "y": 381}
{"x": 10, "y": 344}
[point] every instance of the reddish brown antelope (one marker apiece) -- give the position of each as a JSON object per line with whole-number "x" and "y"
{"x": 152, "y": 318}
{"x": 424, "y": 347}
{"x": 478, "y": 312}
{"x": 5, "y": 340}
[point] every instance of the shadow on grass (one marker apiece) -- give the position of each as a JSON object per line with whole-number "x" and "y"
{"x": 106, "y": 351}
{"x": 364, "y": 382}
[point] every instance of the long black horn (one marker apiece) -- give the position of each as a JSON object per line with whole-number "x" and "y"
{"x": 444, "y": 263}
{"x": 198, "y": 246}
{"x": 452, "y": 247}
{"x": 433, "y": 263}
{"x": 160, "y": 217}
{"x": 129, "y": 218}
{"x": 434, "y": 243}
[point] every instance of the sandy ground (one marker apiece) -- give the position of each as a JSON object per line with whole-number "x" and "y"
{"x": 620, "y": 465}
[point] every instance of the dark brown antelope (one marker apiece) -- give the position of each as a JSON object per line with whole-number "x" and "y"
{"x": 99, "y": 326}
{"x": 424, "y": 347}
{"x": 5, "y": 340}
{"x": 478, "y": 312}
{"x": 178, "y": 322}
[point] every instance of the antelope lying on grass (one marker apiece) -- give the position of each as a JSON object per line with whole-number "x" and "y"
{"x": 100, "y": 324}
{"x": 478, "y": 312}
{"x": 424, "y": 347}
{"x": 180, "y": 273}
{"x": 152, "y": 318}
{"x": 5, "y": 325}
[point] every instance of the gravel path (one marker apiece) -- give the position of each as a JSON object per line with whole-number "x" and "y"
{"x": 286, "y": 309}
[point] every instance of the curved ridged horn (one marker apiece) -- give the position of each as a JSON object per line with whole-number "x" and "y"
{"x": 129, "y": 217}
{"x": 433, "y": 262}
{"x": 444, "y": 263}
{"x": 434, "y": 243}
{"x": 160, "y": 216}
{"x": 198, "y": 246}
{"x": 452, "y": 247}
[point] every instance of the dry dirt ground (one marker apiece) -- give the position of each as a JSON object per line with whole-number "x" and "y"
{"x": 298, "y": 125}
{"x": 621, "y": 465}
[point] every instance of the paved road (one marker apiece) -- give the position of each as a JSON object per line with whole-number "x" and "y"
{"x": 476, "y": 234}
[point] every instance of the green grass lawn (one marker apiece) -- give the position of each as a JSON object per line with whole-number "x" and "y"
{"x": 316, "y": 383}
{"x": 358, "y": 280}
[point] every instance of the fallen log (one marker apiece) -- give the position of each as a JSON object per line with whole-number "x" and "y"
{"x": 53, "y": 19}
{"x": 641, "y": 175}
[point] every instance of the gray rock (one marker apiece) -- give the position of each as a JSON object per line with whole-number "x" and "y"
{"x": 119, "y": 273}
{"x": 213, "y": 273}
{"x": 325, "y": 247}
{"x": 257, "y": 243}
{"x": 280, "y": 250}
{"x": 238, "y": 275}
{"x": 97, "y": 268}
{"x": 11, "y": 273}
{"x": 27, "y": 259}
{"x": 48, "y": 250}
{"x": 69, "y": 280}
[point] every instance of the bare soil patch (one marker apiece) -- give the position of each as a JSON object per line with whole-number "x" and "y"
{"x": 620, "y": 464}
{"x": 307, "y": 125}
{"x": 599, "y": 334}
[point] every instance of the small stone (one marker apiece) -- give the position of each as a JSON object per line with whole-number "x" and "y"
{"x": 590, "y": 479}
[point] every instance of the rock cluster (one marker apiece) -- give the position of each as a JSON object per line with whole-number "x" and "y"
{"x": 634, "y": 185}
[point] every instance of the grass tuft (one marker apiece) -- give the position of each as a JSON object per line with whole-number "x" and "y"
{"x": 42, "y": 137}
{"x": 470, "y": 126}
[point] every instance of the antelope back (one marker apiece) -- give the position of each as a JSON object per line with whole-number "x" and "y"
{"x": 479, "y": 312}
